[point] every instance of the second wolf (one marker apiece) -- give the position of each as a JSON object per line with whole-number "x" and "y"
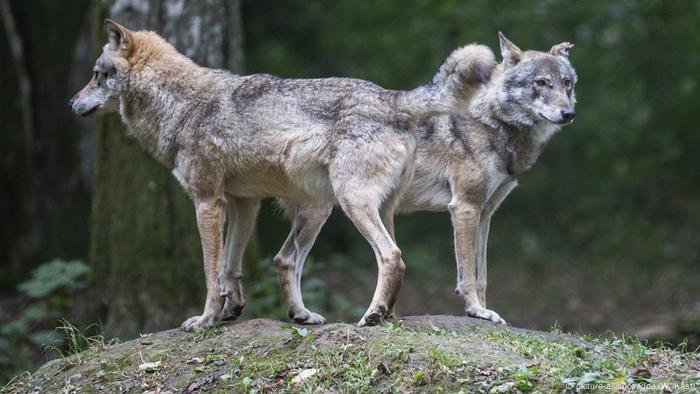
{"x": 467, "y": 164}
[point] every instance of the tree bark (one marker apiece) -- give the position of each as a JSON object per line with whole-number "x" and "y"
{"x": 28, "y": 238}
{"x": 145, "y": 250}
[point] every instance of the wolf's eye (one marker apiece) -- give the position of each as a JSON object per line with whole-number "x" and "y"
{"x": 567, "y": 82}
{"x": 541, "y": 82}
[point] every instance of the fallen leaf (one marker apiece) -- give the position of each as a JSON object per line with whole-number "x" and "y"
{"x": 150, "y": 367}
{"x": 195, "y": 360}
{"x": 200, "y": 383}
{"x": 643, "y": 372}
{"x": 299, "y": 331}
{"x": 303, "y": 375}
{"x": 383, "y": 368}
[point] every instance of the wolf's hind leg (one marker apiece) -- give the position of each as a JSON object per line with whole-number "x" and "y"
{"x": 307, "y": 221}
{"x": 241, "y": 222}
{"x": 210, "y": 222}
{"x": 365, "y": 216}
{"x": 387, "y": 213}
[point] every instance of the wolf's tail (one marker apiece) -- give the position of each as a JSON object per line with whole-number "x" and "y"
{"x": 459, "y": 77}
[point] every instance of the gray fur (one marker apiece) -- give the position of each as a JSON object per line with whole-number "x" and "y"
{"x": 232, "y": 140}
{"x": 468, "y": 163}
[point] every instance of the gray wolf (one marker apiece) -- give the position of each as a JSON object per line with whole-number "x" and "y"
{"x": 232, "y": 140}
{"x": 468, "y": 163}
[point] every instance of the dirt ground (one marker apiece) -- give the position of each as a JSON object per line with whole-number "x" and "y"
{"x": 415, "y": 354}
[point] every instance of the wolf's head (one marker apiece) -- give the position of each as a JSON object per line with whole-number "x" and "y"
{"x": 109, "y": 75}
{"x": 536, "y": 86}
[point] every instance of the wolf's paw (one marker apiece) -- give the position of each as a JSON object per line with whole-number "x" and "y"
{"x": 234, "y": 302}
{"x": 231, "y": 310}
{"x": 195, "y": 322}
{"x": 373, "y": 317}
{"x": 486, "y": 314}
{"x": 305, "y": 316}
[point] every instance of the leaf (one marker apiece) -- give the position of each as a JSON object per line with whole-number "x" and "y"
{"x": 383, "y": 368}
{"x": 46, "y": 337}
{"x": 37, "y": 312}
{"x": 195, "y": 360}
{"x": 14, "y": 327}
{"x": 150, "y": 367}
{"x": 642, "y": 372}
{"x": 503, "y": 388}
{"x": 303, "y": 375}
{"x": 299, "y": 331}
{"x": 589, "y": 377}
{"x": 55, "y": 275}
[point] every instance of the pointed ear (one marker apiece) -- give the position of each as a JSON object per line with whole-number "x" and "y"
{"x": 119, "y": 36}
{"x": 510, "y": 52}
{"x": 561, "y": 49}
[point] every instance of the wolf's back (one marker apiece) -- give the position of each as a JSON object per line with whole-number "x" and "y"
{"x": 462, "y": 73}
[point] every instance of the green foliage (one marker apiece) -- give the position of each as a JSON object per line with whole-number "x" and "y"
{"x": 50, "y": 291}
{"x": 76, "y": 340}
{"x": 264, "y": 356}
{"x": 300, "y": 332}
{"x": 607, "y": 360}
{"x": 53, "y": 276}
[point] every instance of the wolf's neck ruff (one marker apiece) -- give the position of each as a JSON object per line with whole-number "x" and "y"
{"x": 164, "y": 91}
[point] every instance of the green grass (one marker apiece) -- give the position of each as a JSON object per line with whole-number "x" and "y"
{"x": 389, "y": 358}
{"x": 563, "y": 364}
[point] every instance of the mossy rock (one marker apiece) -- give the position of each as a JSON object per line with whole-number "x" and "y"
{"x": 416, "y": 354}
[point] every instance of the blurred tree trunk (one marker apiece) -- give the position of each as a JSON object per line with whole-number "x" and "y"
{"x": 26, "y": 240}
{"x": 145, "y": 249}
{"x": 42, "y": 193}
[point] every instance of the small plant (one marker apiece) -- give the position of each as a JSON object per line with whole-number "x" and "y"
{"x": 299, "y": 332}
{"x": 55, "y": 277}
{"x": 76, "y": 341}
{"x": 50, "y": 290}
{"x": 205, "y": 333}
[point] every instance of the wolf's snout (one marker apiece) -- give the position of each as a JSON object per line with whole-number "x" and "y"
{"x": 567, "y": 115}
{"x": 70, "y": 104}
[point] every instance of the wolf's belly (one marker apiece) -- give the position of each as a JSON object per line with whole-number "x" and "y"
{"x": 426, "y": 195}
{"x": 311, "y": 185}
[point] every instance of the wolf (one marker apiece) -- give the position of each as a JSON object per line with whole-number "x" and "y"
{"x": 231, "y": 140}
{"x": 467, "y": 163}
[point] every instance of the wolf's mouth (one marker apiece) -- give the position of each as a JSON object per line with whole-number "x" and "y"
{"x": 560, "y": 122}
{"x": 90, "y": 112}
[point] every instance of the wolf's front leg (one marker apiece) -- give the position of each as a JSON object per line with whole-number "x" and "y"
{"x": 210, "y": 221}
{"x": 241, "y": 222}
{"x": 465, "y": 221}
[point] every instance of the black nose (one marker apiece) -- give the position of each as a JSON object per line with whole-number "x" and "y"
{"x": 70, "y": 103}
{"x": 567, "y": 115}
